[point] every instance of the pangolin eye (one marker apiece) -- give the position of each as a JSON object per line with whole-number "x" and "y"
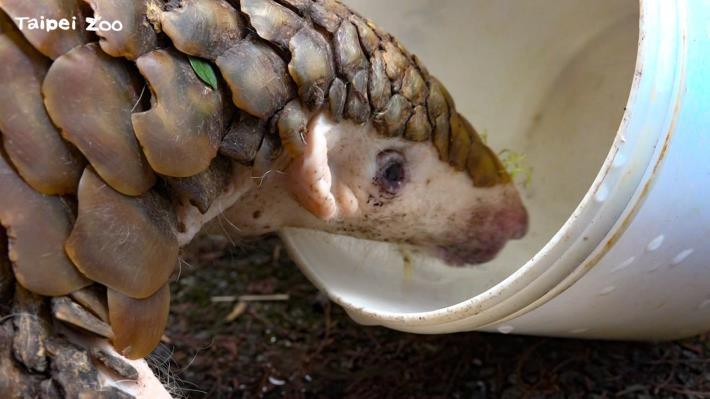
{"x": 391, "y": 171}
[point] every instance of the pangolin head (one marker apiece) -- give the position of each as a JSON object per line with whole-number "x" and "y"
{"x": 350, "y": 179}
{"x": 378, "y": 151}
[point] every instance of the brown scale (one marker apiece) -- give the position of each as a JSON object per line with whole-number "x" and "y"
{"x": 348, "y": 51}
{"x": 335, "y": 7}
{"x": 392, "y": 121}
{"x": 126, "y": 243}
{"x": 15, "y": 382}
{"x": 119, "y": 366}
{"x": 32, "y": 328}
{"x": 218, "y": 29}
{"x": 329, "y": 13}
{"x": 312, "y": 66}
{"x": 258, "y": 78}
{"x": 439, "y": 104}
{"x": 66, "y": 310}
{"x": 414, "y": 88}
{"x": 354, "y": 66}
{"x": 138, "y": 324}
{"x": 379, "y": 88}
{"x": 181, "y": 133}
{"x": 268, "y": 152}
{"x": 104, "y": 92}
{"x": 484, "y": 166}
{"x": 324, "y": 17}
{"x": 298, "y": 57}
{"x": 137, "y": 36}
{"x": 292, "y": 124}
{"x": 368, "y": 38}
{"x": 459, "y": 142}
{"x": 357, "y": 107}
{"x": 301, "y": 5}
{"x": 34, "y": 145}
{"x": 71, "y": 369}
{"x": 37, "y": 226}
{"x": 338, "y": 95}
{"x": 272, "y": 21}
{"x": 396, "y": 64}
{"x": 93, "y": 298}
{"x": 243, "y": 138}
{"x": 203, "y": 189}
{"x": 418, "y": 126}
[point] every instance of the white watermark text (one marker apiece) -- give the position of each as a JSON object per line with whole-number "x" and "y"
{"x": 50, "y": 25}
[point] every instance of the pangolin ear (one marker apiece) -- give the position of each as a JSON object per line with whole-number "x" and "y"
{"x": 309, "y": 177}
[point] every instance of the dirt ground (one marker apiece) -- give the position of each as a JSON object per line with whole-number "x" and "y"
{"x": 306, "y": 347}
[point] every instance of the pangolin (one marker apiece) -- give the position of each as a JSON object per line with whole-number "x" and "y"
{"x": 119, "y": 145}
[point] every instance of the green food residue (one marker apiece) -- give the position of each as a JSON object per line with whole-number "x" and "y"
{"x": 484, "y": 137}
{"x": 204, "y": 71}
{"x": 516, "y": 165}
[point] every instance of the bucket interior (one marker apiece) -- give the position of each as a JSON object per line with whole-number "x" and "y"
{"x": 546, "y": 79}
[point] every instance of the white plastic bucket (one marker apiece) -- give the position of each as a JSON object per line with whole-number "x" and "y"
{"x": 608, "y": 99}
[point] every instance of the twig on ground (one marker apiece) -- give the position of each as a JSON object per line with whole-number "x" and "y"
{"x": 252, "y": 298}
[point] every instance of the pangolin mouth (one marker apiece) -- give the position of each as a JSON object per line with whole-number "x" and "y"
{"x": 463, "y": 255}
{"x": 486, "y": 238}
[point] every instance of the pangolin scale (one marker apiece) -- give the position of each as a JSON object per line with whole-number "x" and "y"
{"x": 104, "y": 137}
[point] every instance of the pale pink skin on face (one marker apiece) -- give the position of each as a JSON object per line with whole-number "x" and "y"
{"x": 332, "y": 188}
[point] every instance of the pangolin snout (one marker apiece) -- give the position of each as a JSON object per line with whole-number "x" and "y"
{"x": 486, "y": 233}
{"x": 514, "y": 221}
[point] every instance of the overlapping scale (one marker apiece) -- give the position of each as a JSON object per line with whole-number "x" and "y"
{"x": 97, "y": 117}
{"x": 272, "y": 21}
{"x": 368, "y": 38}
{"x": 137, "y": 35}
{"x": 460, "y": 142}
{"x": 31, "y": 141}
{"x": 337, "y": 96}
{"x": 292, "y": 125}
{"x": 484, "y": 167}
{"x": 203, "y": 189}
{"x": 439, "y": 105}
{"x": 418, "y": 127}
{"x": 203, "y": 28}
{"x": 301, "y": 5}
{"x": 37, "y": 226}
{"x": 70, "y": 312}
{"x": 328, "y": 14}
{"x": 392, "y": 121}
{"x": 32, "y": 327}
{"x": 93, "y": 298}
{"x": 258, "y": 78}
{"x": 312, "y": 66}
{"x": 138, "y": 324}
{"x": 126, "y": 243}
{"x": 380, "y": 88}
{"x": 181, "y": 133}
{"x": 243, "y": 138}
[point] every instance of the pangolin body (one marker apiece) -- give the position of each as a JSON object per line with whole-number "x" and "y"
{"x": 104, "y": 137}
